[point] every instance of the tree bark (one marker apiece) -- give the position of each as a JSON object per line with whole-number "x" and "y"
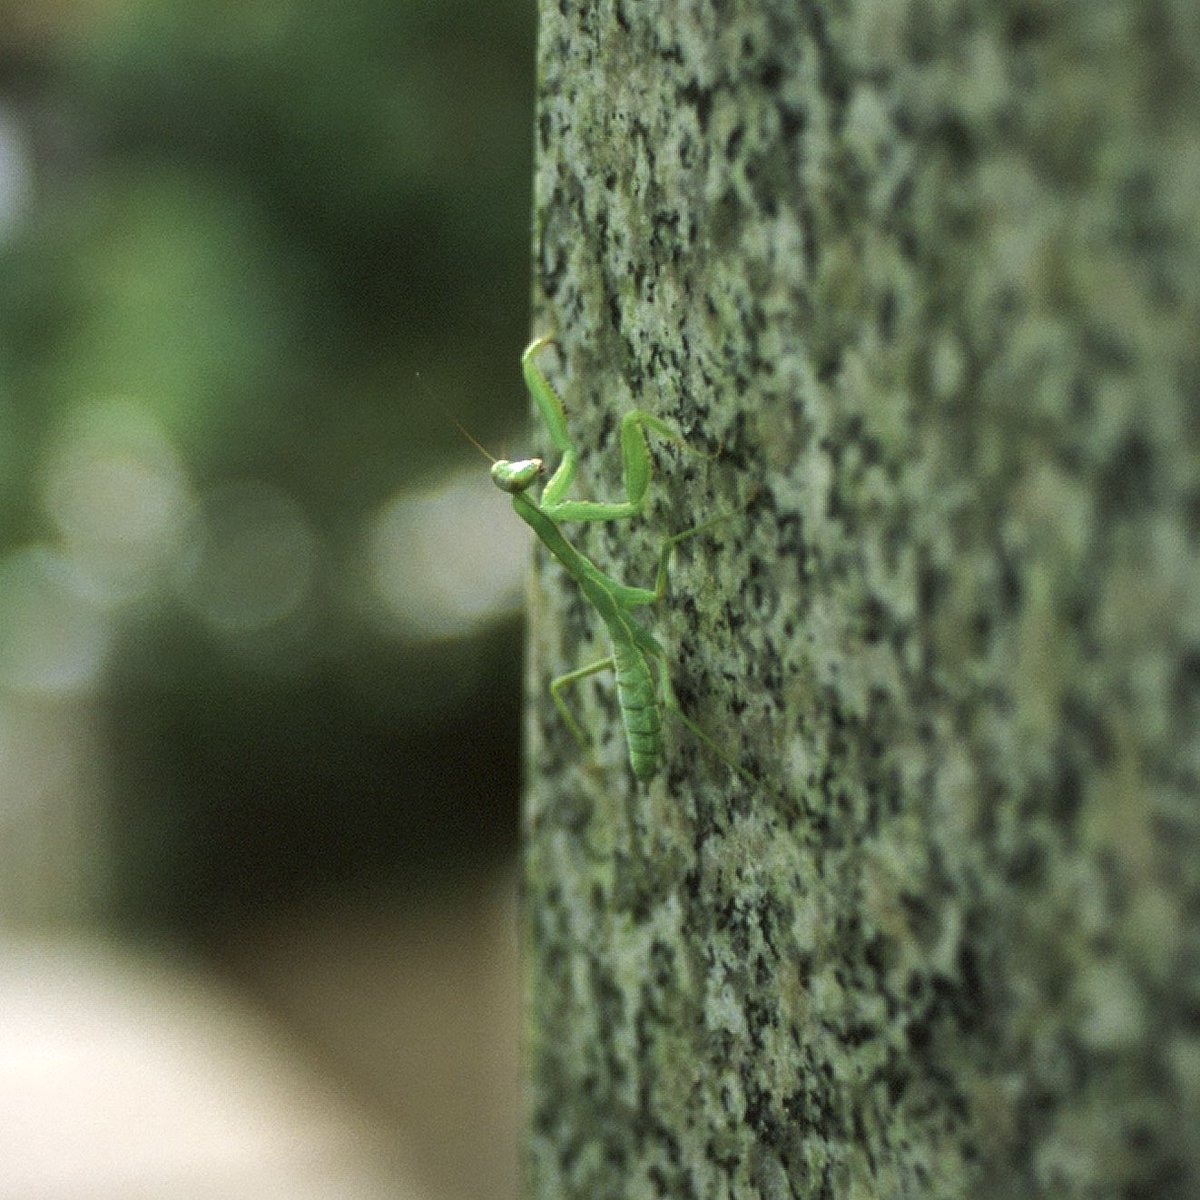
{"x": 924, "y": 278}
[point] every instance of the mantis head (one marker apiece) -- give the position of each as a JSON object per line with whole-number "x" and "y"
{"x": 516, "y": 476}
{"x": 509, "y": 476}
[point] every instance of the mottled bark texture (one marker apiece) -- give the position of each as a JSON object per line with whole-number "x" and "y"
{"x": 927, "y": 274}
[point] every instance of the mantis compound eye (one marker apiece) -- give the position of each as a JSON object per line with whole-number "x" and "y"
{"x": 516, "y": 476}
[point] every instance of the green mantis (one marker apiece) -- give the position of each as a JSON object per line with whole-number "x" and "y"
{"x": 636, "y": 654}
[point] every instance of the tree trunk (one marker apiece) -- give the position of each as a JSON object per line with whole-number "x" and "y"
{"x": 923, "y": 279}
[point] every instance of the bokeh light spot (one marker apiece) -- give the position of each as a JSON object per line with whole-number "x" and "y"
{"x": 53, "y": 639}
{"x": 120, "y": 496}
{"x": 450, "y": 561}
{"x": 253, "y": 559}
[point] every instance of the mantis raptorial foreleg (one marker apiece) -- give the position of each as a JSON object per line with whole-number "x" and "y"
{"x": 634, "y": 648}
{"x": 635, "y": 455}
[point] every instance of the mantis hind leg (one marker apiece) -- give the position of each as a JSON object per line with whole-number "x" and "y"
{"x": 668, "y": 701}
{"x": 561, "y": 681}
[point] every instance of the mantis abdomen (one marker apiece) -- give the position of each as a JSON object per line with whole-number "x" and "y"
{"x": 639, "y": 708}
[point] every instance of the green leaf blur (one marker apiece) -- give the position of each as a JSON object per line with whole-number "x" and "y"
{"x": 266, "y": 251}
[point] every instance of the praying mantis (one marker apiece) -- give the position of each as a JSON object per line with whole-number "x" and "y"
{"x": 636, "y": 655}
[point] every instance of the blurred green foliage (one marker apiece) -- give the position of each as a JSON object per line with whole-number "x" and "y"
{"x": 295, "y": 237}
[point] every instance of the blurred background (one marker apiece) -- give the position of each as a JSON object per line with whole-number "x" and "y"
{"x": 259, "y": 602}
